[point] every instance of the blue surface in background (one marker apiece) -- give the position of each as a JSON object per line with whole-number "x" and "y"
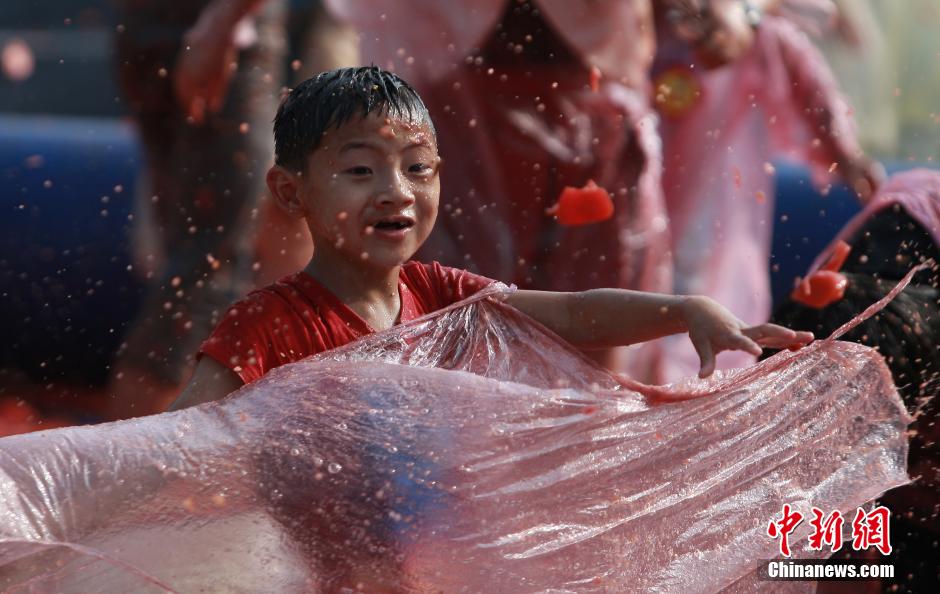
{"x": 67, "y": 295}
{"x": 805, "y": 222}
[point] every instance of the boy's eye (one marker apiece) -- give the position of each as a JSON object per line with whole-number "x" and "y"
{"x": 420, "y": 168}
{"x": 359, "y": 170}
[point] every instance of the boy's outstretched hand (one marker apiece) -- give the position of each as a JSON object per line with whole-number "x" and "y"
{"x": 605, "y": 318}
{"x": 713, "y": 329}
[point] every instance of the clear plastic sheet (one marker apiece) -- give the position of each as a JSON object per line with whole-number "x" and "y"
{"x": 467, "y": 451}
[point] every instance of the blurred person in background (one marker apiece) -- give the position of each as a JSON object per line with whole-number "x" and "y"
{"x": 201, "y": 80}
{"x": 737, "y": 86}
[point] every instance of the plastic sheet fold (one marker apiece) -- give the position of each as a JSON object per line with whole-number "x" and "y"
{"x": 468, "y": 451}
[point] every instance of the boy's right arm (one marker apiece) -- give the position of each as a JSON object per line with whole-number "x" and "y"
{"x": 211, "y": 381}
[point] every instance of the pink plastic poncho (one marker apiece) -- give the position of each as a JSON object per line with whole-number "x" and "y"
{"x": 717, "y": 179}
{"x": 467, "y": 451}
{"x": 426, "y": 40}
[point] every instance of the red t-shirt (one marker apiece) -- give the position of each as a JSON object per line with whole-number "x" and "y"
{"x": 297, "y": 317}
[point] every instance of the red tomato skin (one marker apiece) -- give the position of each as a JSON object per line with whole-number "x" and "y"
{"x": 583, "y": 206}
{"x": 821, "y": 289}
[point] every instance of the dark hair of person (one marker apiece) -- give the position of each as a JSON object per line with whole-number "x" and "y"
{"x": 907, "y": 331}
{"x": 330, "y": 99}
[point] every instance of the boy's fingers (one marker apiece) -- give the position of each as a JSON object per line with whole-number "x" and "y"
{"x": 769, "y": 331}
{"x": 706, "y": 355}
{"x": 805, "y": 337}
{"x": 800, "y": 338}
{"x": 743, "y": 343}
{"x": 774, "y": 336}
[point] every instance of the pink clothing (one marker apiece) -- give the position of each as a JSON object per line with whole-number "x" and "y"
{"x": 429, "y": 38}
{"x": 718, "y": 179}
{"x": 501, "y": 174}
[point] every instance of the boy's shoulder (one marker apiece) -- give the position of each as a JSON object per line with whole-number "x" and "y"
{"x": 279, "y": 297}
{"x": 432, "y": 286}
{"x": 441, "y": 284}
{"x": 296, "y": 281}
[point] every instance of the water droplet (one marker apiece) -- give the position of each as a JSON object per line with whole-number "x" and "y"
{"x": 333, "y": 467}
{"x": 17, "y": 60}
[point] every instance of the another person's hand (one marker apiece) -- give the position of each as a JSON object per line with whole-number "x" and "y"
{"x": 204, "y": 69}
{"x": 862, "y": 175}
{"x": 713, "y": 329}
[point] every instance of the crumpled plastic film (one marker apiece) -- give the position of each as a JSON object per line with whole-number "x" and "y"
{"x": 467, "y": 451}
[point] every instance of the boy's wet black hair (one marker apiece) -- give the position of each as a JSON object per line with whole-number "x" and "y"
{"x": 330, "y": 99}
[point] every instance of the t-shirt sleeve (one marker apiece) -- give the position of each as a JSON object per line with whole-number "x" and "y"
{"x": 450, "y": 285}
{"x": 239, "y": 342}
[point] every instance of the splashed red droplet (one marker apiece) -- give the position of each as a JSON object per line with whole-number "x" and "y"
{"x": 595, "y": 78}
{"x": 17, "y": 60}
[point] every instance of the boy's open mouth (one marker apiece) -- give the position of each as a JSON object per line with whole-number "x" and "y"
{"x": 393, "y": 223}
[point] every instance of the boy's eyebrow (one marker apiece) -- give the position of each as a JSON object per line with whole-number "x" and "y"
{"x": 422, "y": 142}
{"x": 365, "y": 144}
{"x": 356, "y": 144}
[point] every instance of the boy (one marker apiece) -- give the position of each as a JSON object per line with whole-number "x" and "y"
{"x": 356, "y": 157}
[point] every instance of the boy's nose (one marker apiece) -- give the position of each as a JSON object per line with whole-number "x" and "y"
{"x": 397, "y": 193}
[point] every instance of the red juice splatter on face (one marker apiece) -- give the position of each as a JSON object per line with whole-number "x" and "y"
{"x": 582, "y": 206}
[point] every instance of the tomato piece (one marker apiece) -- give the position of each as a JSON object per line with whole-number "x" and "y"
{"x": 820, "y": 289}
{"x": 838, "y": 257}
{"x": 582, "y": 206}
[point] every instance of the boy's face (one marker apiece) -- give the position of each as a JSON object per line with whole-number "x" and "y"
{"x": 370, "y": 190}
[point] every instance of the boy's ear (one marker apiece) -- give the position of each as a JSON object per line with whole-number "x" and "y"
{"x": 284, "y": 186}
